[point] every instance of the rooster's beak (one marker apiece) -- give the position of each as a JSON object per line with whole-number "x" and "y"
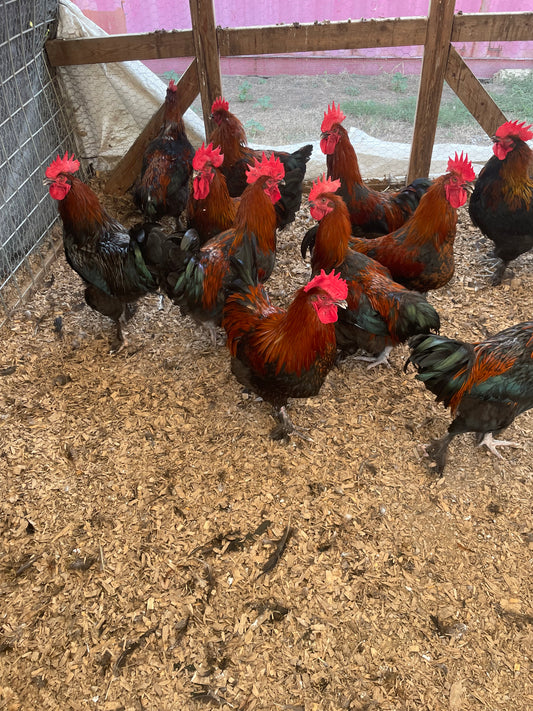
{"x": 343, "y": 304}
{"x": 469, "y": 187}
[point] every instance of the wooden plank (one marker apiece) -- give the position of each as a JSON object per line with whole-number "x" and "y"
{"x": 321, "y": 36}
{"x": 206, "y": 46}
{"x": 436, "y": 50}
{"x": 473, "y": 94}
{"x": 493, "y": 27}
{"x": 120, "y": 48}
{"x": 125, "y": 173}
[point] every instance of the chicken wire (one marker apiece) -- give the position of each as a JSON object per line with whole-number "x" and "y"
{"x": 34, "y": 128}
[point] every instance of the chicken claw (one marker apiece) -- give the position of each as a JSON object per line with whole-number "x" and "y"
{"x": 381, "y": 359}
{"x": 491, "y": 444}
{"x": 285, "y": 428}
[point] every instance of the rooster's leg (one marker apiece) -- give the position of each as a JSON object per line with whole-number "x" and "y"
{"x": 498, "y": 273}
{"x": 211, "y": 329}
{"x": 491, "y": 444}
{"x": 381, "y": 359}
{"x": 437, "y": 451}
{"x": 121, "y": 341}
{"x": 285, "y": 428}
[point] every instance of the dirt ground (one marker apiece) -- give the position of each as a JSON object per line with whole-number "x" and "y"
{"x": 141, "y": 501}
{"x": 283, "y": 109}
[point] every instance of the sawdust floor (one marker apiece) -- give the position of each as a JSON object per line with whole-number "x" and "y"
{"x": 141, "y": 498}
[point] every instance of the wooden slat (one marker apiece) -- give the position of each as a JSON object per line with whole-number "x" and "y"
{"x": 321, "y": 36}
{"x": 493, "y": 27}
{"x": 360, "y": 34}
{"x": 125, "y": 173}
{"x": 473, "y": 94}
{"x": 206, "y": 45}
{"x": 436, "y": 49}
{"x": 120, "y": 48}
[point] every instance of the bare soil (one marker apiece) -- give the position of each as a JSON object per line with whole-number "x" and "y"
{"x": 141, "y": 499}
{"x": 285, "y": 109}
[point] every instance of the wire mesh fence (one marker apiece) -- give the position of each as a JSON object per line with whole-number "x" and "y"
{"x": 34, "y": 128}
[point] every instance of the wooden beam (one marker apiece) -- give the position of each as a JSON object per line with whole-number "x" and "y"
{"x": 128, "y": 169}
{"x": 493, "y": 27}
{"x": 473, "y": 94}
{"x": 120, "y": 48}
{"x": 436, "y": 50}
{"x": 320, "y": 36}
{"x": 206, "y": 46}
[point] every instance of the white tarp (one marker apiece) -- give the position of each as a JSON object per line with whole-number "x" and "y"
{"x": 112, "y": 103}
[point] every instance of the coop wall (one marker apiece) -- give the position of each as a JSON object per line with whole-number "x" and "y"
{"x": 34, "y": 128}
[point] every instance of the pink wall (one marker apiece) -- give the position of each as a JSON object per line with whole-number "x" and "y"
{"x": 119, "y": 16}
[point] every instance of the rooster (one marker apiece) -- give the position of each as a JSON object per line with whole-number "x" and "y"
{"x": 501, "y": 205}
{"x": 277, "y": 353}
{"x": 381, "y": 313}
{"x": 370, "y": 211}
{"x": 486, "y": 385}
{"x": 97, "y": 247}
{"x": 210, "y": 209}
{"x": 230, "y": 135}
{"x": 163, "y": 186}
{"x": 420, "y": 254}
{"x": 197, "y": 278}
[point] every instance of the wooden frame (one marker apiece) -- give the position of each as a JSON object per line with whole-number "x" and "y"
{"x": 207, "y": 43}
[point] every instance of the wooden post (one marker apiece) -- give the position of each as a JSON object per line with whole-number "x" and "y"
{"x": 206, "y": 48}
{"x": 128, "y": 169}
{"x": 436, "y": 49}
{"x": 473, "y": 94}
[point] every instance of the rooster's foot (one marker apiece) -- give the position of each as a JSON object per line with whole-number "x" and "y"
{"x": 381, "y": 359}
{"x": 491, "y": 444}
{"x": 285, "y": 428}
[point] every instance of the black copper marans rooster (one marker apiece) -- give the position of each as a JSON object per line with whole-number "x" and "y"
{"x": 502, "y": 202}
{"x": 101, "y": 250}
{"x": 486, "y": 385}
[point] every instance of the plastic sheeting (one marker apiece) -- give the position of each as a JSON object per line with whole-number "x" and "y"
{"x": 111, "y": 103}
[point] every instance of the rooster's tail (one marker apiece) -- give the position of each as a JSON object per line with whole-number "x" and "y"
{"x": 443, "y": 364}
{"x": 409, "y": 197}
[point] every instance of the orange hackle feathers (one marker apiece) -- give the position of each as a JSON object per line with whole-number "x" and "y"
{"x": 207, "y": 155}
{"x": 323, "y": 185}
{"x": 513, "y": 128}
{"x": 219, "y": 103}
{"x": 332, "y": 116}
{"x": 62, "y": 165}
{"x": 332, "y": 283}
{"x": 462, "y": 166}
{"x": 271, "y": 167}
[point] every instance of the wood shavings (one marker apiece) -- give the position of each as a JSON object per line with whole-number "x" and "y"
{"x": 155, "y": 496}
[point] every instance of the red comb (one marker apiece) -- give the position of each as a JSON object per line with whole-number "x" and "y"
{"x": 62, "y": 165}
{"x": 462, "y": 166}
{"x": 333, "y": 283}
{"x": 219, "y": 103}
{"x": 332, "y": 116}
{"x": 272, "y": 167}
{"x": 207, "y": 155}
{"x": 323, "y": 185}
{"x": 172, "y": 86}
{"x": 513, "y": 128}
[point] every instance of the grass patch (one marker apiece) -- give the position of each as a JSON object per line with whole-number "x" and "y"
{"x": 402, "y": 110}
{"x": 516, "y": 98}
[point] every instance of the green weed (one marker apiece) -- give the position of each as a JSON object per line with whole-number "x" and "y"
{"x": 253, "y": 128}
{"x": 399, "y": 83}
{"x": 245, "y": 90}
{"x": 264, "y": 102}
